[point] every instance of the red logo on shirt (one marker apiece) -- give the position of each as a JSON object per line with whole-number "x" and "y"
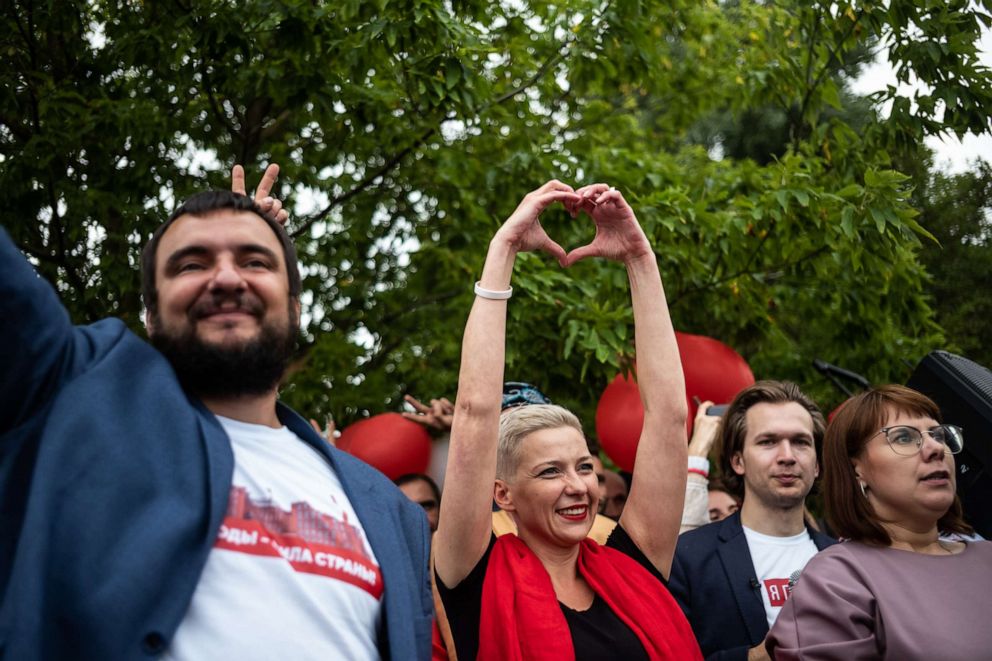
{"x": 309, "y": 540}
{"x": 778, "y": 591}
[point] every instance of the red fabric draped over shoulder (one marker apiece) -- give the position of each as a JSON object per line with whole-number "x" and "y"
{"x": 521, "y": 618}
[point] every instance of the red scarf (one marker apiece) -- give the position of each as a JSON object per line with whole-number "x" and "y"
{"x": 522, "y": 620}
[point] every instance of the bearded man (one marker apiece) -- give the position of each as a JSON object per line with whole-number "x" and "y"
{"x": 159, "y": 501}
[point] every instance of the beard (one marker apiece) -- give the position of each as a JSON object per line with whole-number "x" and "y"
{"x": 251, "y": 367}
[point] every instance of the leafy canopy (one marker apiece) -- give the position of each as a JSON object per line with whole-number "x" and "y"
{"x": 408, "y": 129}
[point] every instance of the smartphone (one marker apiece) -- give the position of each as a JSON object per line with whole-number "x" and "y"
{"x": 717, "y": 409}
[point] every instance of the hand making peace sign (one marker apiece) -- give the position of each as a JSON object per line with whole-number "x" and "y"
{"x": 267, "y": 203}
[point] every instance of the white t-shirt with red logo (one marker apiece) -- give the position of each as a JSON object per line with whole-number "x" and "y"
{"x": 778, "y": 561}
{"x": 291, "y": 574}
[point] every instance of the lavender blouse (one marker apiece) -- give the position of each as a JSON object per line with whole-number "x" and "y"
{"x": 855, "y": 601}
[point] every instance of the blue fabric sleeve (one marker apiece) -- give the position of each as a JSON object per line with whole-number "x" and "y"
{"x": 37, "y": 349}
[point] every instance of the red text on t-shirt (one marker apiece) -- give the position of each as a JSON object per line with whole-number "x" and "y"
{"x": 778, "y": 591}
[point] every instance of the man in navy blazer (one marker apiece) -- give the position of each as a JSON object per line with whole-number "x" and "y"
{"x": 159, "y": 501}
{"x": 732, "y": 577}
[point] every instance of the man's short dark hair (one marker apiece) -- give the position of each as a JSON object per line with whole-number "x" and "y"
{"x": 733, "y": 429}
{"x": 203, "y": 204}
{"x": 413, "y": 477}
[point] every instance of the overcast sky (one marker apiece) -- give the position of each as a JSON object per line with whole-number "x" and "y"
{"x": 953, "y": 155}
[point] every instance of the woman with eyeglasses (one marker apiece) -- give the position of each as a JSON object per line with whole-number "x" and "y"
{"x": 548, "y": 592}
{"x": 907, "y": 583}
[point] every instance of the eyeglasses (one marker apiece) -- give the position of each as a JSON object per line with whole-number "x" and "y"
{"x": 907, "y": 441}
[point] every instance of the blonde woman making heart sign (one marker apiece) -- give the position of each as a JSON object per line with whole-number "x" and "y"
{"x": 550, "y": 593}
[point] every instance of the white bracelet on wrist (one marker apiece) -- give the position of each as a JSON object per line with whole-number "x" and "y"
{"x": 491, "y": 294}
{"x": 700, "y": 464}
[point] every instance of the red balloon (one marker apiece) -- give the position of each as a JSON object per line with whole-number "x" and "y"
{"x": 713, "y": 371}
{"x": 389, "y": 442}
{"x": 619, "y": 418}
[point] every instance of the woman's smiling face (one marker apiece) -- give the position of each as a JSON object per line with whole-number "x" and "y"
{"x": 554, "y": 492}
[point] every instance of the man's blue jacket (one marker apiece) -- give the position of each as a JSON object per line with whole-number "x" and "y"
{"x": 113, "y": 484}
{"x": 713, "y": 580}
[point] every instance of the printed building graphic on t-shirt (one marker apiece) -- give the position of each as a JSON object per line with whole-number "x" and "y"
{"x": 309, "y": 540}
{"x": 301, "y": 520}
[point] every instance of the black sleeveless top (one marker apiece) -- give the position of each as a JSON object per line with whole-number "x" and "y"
{"x": 597, "y": 633}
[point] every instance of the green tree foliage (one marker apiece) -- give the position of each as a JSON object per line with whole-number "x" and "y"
{"x": 408, "y": 129}
{"x": 958, "y": 210}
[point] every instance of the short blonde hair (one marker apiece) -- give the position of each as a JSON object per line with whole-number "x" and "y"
{"x": 517, "y": 422}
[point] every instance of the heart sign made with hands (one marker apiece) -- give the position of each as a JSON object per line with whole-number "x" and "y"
{"x": 618, "y": 235}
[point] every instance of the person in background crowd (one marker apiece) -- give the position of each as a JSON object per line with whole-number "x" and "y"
{"x": 437, "y": 415}
{"x": 732, "y": 577}
{"x": 424, "y": 491}
{"x": 551, "y": 593}
{"x": 518, "y": 393}
{"x": 704, "y": 432}
{"x": 897, "y": 588}
{"x": 329, "y": 432}
{"x": 599, "y": 469}
{"x": 721, "y": 503}
{"x": 614, "y": 495}
{"x": 152, "y": 492}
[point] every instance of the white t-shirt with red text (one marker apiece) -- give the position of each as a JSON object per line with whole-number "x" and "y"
{"x": 778, "y": 561}
{"x": 291, "y": 574}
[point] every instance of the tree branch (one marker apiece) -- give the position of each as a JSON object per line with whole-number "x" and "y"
{"x": 826, "y": 65}
{"x": 214, "y": 105}
{"x": 423, "y": 303}
{"x": 365, "y": 183}
{"x": 70, "y": 273}
{"x": 380, "y": 355}
{"x": 747, "y": 272}
{"x": 812, "y": 45}
{"x": 269, "y": 131}
{"x": 423, "y": 137}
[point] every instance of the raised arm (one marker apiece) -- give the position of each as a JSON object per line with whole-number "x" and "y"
{"x": 466, "y": 520}
{"x": 695, "y": 512}
{"x": 37, "y": 351}
{"x": 654, "y": 506}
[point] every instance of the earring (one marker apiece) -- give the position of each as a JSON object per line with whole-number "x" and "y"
{"x": 864, "y": 492}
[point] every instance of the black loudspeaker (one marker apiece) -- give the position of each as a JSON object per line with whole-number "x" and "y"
{"x": 963, "y": 391}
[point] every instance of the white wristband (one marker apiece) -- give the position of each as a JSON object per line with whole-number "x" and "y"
{"x": 700, "y": 463}
{"x": 493, "y": 295}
